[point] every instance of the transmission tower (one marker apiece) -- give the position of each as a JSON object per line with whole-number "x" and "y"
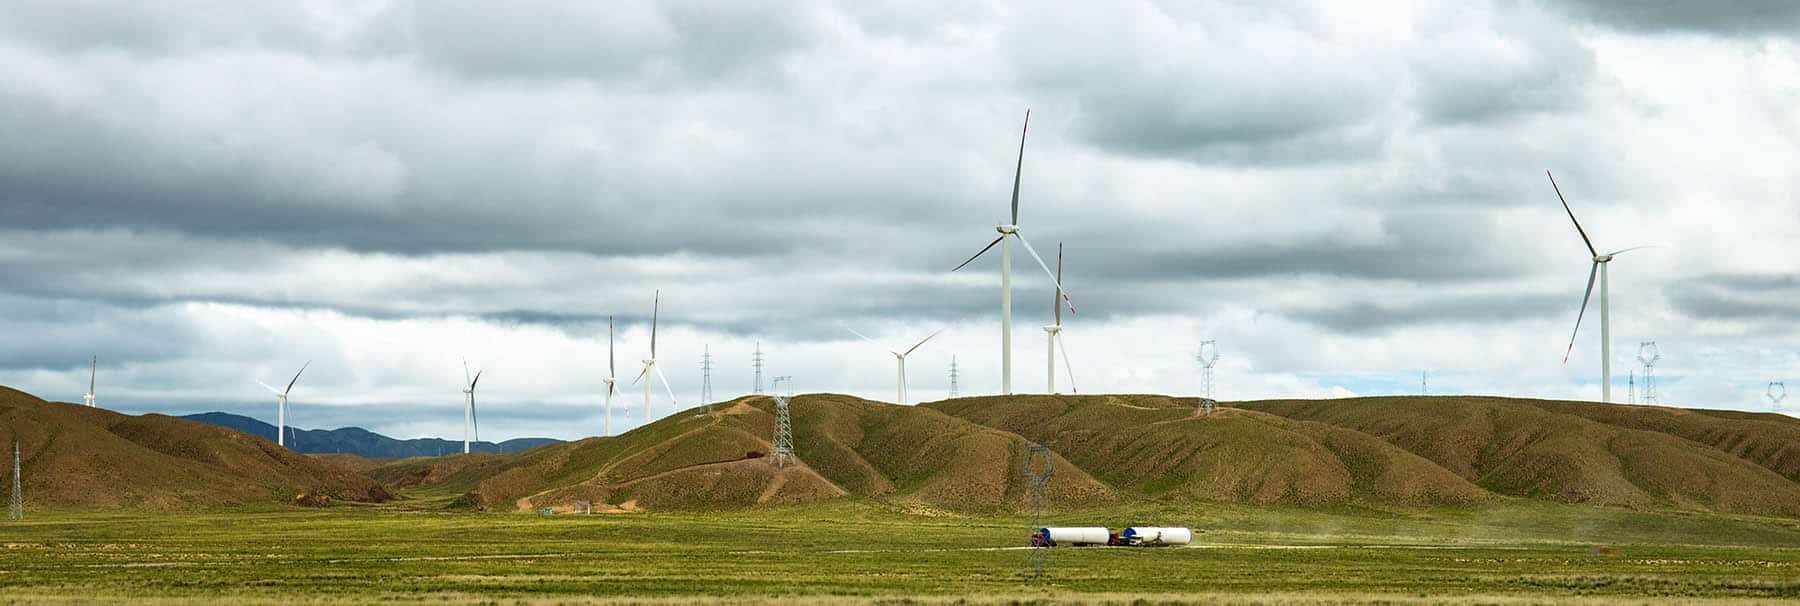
{"x": 1039, "y": 467}
{"x": 17, "y": 510}
{"x": 1648, "y": 355}
{"x": 784, "y": 430}
{"x": 1207, "y": 356}
{"x": 756, "y": 362}
{"x": 1424, "y": 387}
{"x": 1777, "y": 392}
{"x": 706, "y": 392}
{"x": 954, "y": 375}
{"x": 1631, "y": 387}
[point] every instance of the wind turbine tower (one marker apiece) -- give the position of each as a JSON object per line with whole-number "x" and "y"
{"x": 1600, "y": 267}
{"x": 900, "y": 360}
{"x": 650, "y": 364}
{"x": 281, "y": 404}
{"x": 1648, "y": 355}
{"x": 1776, "y": 393}
{"x": 470, "y": 425}
{"x": 1208, "y": 357}
{"x": 1009, "y": 231}
{"x": 92, "y": 368}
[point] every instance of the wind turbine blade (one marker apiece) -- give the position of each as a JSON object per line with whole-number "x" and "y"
{"x": 266, "y": 386}
{"x": 1565, "y": 203}
{"x": 1584, "y": 301}
{"x": 864, "y": 337}
{"x": 472, "y": 383}
{"x": 922, "y": 342}
{"x": 1617, "y": 252}
{"x": 1066, "y": 365}
{"x": 655, "y": 307}
{"x": 1040, "y": 262}
{"x": 671, "y": 390}
{"x": 640, "y": 376}
{"x": 474, "y": 419}
{"x": 1019, "y": 168}
{"x": 91, "y": 371}
{"x": 290, "y": 386}
{"x": 990, "y": 246}
{"x": 465, "y": 371}
{"x": 1054, "y": 303}
{"x": 612, "y": 365}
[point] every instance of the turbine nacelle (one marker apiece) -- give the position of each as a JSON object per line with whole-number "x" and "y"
{"x": 1603, "y": 259}
{"x": 1007, "y": 229}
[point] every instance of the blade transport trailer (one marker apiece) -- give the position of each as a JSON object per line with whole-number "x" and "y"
{"x": 1136, "y": 536}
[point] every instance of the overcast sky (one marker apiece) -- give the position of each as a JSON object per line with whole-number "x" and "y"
{"x": 1344, "y": 195}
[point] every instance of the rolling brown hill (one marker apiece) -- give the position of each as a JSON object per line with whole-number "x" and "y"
{"x": 1767, "y": 439}
{"x": 1558, "y": 451}
{"x": 1163, "y": 448}
{"x": 76, "y": 456}
{"x": 847, "y": 447}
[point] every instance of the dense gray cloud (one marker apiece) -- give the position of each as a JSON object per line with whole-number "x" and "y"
{"x": 206, "y": 194}
{"x": 1757, "y": 17}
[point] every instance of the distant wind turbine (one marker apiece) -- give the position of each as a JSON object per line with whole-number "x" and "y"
{"x": 1012, "y": 229}
{"x": 1053, "y": 333}
{"x": 281, "y": 398}
{"x": 1601, "y": 263}
{"x": 899, "y": 359}
{"x": 650, "y": 364}
{"x": 470, "y": 424}
{"x": 89, "y": 398}
{"x": 612, "y": 377}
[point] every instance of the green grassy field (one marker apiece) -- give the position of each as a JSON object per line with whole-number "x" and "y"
{"x": 873, "y": 552}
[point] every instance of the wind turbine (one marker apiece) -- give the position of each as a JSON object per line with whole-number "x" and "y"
{"x": 1601, "y": 263}
{"x": 89, "y": 398}
{"x": 1012, "y": 229}
{"x": 281, "y": 397}
{"x": 1053, "y": 333}
{"x": 470, "y": 424}
{"x": 612, "y": 377}
{"x": 900, "y": 359}
{"x": 650, "y": 364}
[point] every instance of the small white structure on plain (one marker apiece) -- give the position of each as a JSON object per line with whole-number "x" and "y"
{"x": 899, "y": 360}
{"x": 1053, "y": 333}
{"x": 650, "y": 364}
{"x": 612, "y": 379}
{"x": 92, "y": 369}
{"x": 1776, "y": 393}
{"x": 1601, "y": 263}
{"x": 1648, "y": 354}
{"x": 281, "y": 401}
{"x": 470, "y": 424}
{"x": 1012, "y": 230}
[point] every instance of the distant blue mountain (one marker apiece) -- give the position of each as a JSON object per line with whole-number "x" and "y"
{"x": 362, "y": 442}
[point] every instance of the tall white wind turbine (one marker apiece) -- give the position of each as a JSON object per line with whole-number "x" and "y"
{"x": 89, "y": 397}
{"x": 470, "y": 424}
{"x": 1012, "y": 230}
{"x": 1053, "y": 333}
{"x": 281, "y": 399}
{"x": 899, "y": 359}
{"x": 612, "y": 377}
{"x": 650, "y": 364}
{"x": 1601, "y": 263}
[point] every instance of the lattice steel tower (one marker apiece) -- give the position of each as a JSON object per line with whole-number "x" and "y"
{"x": 1648, "y": 355}
{"x": 17, "y": 510}
{"x": 1039, "y": 467}
{"x": 954, "y": 375}
{"x": 1777, "y": 392}
{"x": 1208, "y": 357}
{"x": 1631, "y": 387}
{"x": 756, "y": 362}
{"x": 784, "y": 430}
{"x": 706, "y": 392}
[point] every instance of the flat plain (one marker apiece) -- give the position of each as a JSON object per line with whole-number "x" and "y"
{"x": 867, "y": 551}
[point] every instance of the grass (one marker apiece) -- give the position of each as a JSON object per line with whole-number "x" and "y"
{"x": 863, "y": 551}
